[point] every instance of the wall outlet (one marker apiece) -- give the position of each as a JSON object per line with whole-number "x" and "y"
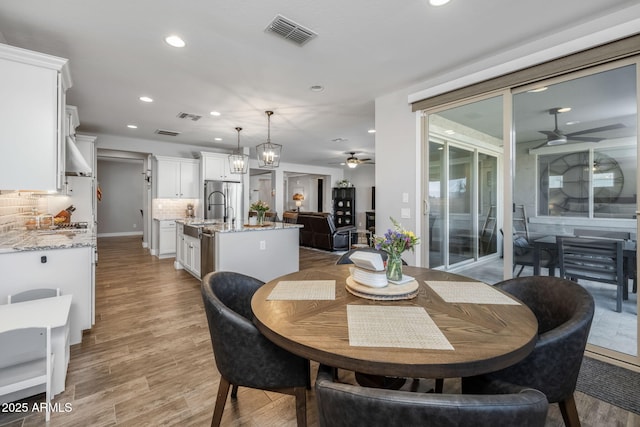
{"x": 405, "y": 213}
{"x": 135, "y": 225}
{"x": 263, "y": 245}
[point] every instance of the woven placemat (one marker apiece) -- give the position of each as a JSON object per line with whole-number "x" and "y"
{"x": 394, "y": 326}
{"x": 469, "y": 292}
{"x": 303, "y": 290}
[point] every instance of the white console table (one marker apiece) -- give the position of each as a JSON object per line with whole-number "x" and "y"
{"x": 52, "y": 312}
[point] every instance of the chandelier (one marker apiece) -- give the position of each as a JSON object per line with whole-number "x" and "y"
{"x": 268, "y": 153}
{"x": 238, "y": 162}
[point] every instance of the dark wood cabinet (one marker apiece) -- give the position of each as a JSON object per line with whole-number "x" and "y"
{"x": 370, "y": 221}
{"x": 344, "y": 206}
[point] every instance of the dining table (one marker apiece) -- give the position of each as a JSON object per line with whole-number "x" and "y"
{"x": 450, "y": 326}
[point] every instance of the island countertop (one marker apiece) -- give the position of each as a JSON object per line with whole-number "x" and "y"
{"x": 214, "y": 226}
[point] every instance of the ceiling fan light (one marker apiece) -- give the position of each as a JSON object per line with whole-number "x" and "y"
{"x": 352, "y": 163}
{"x": 558, "y": 140}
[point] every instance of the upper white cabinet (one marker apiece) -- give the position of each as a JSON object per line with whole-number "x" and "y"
{"x": 215, "y": 167}
{"x": 32, "y": 116}
{"x": 177, "y": 178}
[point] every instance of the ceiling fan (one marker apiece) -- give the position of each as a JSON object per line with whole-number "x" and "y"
{"x": 352, "y": 161}
{"x": 557, "y": 137}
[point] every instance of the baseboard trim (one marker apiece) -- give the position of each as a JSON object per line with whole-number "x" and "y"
{"x": 128, "y": 233}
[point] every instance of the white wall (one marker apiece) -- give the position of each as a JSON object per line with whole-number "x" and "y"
{"x": 397, "y": 166}
{"x": 122, "y": 197}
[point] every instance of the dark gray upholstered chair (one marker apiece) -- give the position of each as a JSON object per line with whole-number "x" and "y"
{"x": 345, "y": 257}
{"x": 346, "y": 405}
{"x": 244, "y": 357}
{"x": 564, "y": 311}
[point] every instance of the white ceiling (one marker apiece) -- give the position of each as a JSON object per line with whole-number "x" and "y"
{"x": 364, "y": 49}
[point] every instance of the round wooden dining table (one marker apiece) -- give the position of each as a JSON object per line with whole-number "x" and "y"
{"x": 484, "y": 337}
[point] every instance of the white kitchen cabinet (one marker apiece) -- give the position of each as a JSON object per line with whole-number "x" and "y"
{"x": 70, "y": 269}
{"x": 191, "y": 248}
{"x": 179, "y": 239}
{"x": 215, "y": 167}
{"x": 32, "y": 114}
{"x": 177, "y": 178}
{"x": 166, "y": 238}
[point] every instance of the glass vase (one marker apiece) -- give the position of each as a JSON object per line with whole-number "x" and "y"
{"x": 260, "y": 218}
{"x": 394, "y": 267}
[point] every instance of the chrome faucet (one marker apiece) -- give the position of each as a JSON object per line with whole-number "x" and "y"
{"x": 233, "y": 217}
{"x": 224, "y": 203}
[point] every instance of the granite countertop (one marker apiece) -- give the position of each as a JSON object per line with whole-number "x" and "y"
{"x": 37, "y": 240}
{"x": 215, "y": 226}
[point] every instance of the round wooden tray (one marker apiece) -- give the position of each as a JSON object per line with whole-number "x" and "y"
{"x": 390, "y": 292}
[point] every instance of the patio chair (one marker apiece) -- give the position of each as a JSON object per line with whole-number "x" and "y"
{"x": 595, "y": 259}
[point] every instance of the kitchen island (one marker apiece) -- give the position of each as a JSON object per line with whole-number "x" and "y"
{"x": 263, "y": 252}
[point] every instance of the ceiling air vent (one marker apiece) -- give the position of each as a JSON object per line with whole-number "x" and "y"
{"x": 189, "y": 116}
{"x": 290, "y": 30}
{"x": 167, "y": 132}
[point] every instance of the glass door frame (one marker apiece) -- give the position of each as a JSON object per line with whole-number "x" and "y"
{"x": 503, "y": 197}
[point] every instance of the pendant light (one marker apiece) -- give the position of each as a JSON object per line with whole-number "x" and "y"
{"x": 238, "y": 162}
{"x": 267, "y": 152}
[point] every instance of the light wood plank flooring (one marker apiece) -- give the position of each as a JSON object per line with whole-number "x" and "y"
{"x": 148, "y": 359}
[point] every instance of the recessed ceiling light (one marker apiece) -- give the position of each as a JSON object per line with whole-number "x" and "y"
{"x": 438, "y": 2}
{"x": 316, "y": 88}
{"x": 175, "y": 41}
{"x": 573, "y": 122}
{"x": 539, "y": 89}
{"x": 371, "y": 131}
{"x": 217, "y": 139}
{"x": 145, "y": 99}
{"x": 564, "y": 109}
{"x": 132, "y": 126}
{"x": 215, "y": 113}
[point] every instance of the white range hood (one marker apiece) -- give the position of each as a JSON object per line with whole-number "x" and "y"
{"x": 76, "y": 164}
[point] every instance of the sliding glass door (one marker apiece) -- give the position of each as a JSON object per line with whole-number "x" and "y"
{"x": 576, "y": 174}
{"x": 462, "y": 189}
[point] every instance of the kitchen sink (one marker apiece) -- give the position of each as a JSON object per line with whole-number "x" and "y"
{"x": 192, "y": 230}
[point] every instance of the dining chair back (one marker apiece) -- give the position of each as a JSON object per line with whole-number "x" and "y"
{"x": 243, "y": 356}
{"x": 345, "y": 405}
{"x": 290, "y": 217}
{"x": 26, "y": 361}
{"x": 564, "y": 311}
{"x": 595, "y": 259}
{"x": 605, "y": 234}
{"x": 32, "y": 294}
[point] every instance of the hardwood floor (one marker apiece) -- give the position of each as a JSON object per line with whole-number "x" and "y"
{"x": 148, "y": 359}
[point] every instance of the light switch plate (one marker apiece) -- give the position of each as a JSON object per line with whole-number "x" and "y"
{"x": 405, "y": 213}
{"x": 405, "y": 197}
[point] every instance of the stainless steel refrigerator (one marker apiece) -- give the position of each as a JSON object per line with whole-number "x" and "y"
{"x": 223, "y": 201}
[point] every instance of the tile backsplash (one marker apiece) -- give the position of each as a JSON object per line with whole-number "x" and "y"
{"x": 16, "y": 205}
{"x": 172, "y": 208}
